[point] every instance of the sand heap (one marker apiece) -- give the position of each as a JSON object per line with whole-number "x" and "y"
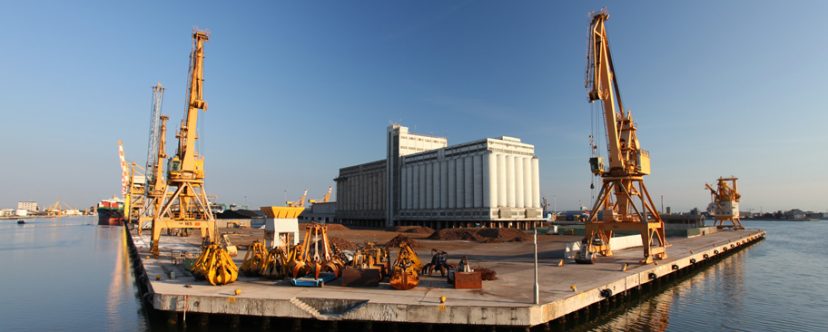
{"x": 482, "y": 235}
{"x": 337, "y": 227}
{"x": 413, "y": 229}
{"x": 342, "y": 244}
{"x": 397, "y": 240}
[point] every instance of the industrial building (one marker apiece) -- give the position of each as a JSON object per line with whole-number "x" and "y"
{"x": 30, "y": 206}
{"x": 321, "y": 212}
{"x": 492, "y": 182}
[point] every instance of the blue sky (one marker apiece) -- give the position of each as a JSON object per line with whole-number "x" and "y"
{"x": 299, "y": 89}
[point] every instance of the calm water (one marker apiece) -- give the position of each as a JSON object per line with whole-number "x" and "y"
{"x": 70, "y": 275}
{"x": 778, "y": 284}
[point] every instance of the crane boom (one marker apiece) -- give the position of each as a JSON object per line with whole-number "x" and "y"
{"x": 124, "y": 169}
{"x": 327, "y": 197}
{"x": 187, "y": 132}
{"x": 604, "y": 86}
{"x": 154, "y": 133}
{"x": 623, "y": 202}
{"x": 625, "y": 154}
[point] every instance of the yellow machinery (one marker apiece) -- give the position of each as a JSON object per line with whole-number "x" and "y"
{"x": 623, "y": 203}
{"x": 372, "y": 257}
{"x": 135, "y": 200}
{"x": 58, "y": 209}
{"x": 277, "y": 262}
{"x": 215, "y": 265}
{"x": 315, "y": 255}
{"x": 326, "y": 198}
{"x": 156, "y": 154}
{"x": 157, "y": 186}
{"x": 282, "y": 212}
{"x": 133, "y": 187}
{"x": 187, "y": 207}
{"x": 405, "y": 270}
{"x": 725, "y": 205}
{"x": 255, "y": 259}
{"x": 298, "y": 203}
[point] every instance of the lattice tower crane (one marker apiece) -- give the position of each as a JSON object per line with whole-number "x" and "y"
{"x": 156, "y": 154}
{"x": 154, "y": 130}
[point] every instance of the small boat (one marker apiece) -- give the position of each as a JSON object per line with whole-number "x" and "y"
{"x": 21, "y": 222}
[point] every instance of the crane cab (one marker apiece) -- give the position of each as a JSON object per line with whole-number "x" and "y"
{"x": 596, "y": 164}
{"x": 642, "y": 165}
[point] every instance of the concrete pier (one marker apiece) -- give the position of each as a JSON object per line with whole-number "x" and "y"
{"x": 564, "y": 291}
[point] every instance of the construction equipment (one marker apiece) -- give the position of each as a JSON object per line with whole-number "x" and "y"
{"x": 326, "y": 198}
{"x": 134, "y": 202}
{"x": 188, "y": 207}
{"x": 405, "y": 270}
{"x": 277, "y": 261}
{"x": 156, "y": 154}
{"x": 623, "y": 203}
{"x": 255, "y": 259}
{"x": 133, "y": 187}
{"x": 315, "y": 256}
{"x": 124, "y": 169}
{"x": 300, "y": 202}
{"x": 58, "y": 209}
{"x": 370, "y": 265}
{"x": 215, "y": 265}
{"x": 725, "y": 203}
{"x": 372, "y": 257}
{"x": 124, "y": 176}
{"x": 157, "y": 184}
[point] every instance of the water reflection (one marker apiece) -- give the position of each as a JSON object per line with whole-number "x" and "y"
{"x": 722, "y": 283}
{"x": 767, "y": 286}
{"x": 121, "y": 285}
{"x": 66, "y": 274}
{"x": 80, "y": 276}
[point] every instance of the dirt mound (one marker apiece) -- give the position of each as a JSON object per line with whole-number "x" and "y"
{"x": 337, "y": 227}
{"x": 397, "y": 240}
{"x": 413, "y": 229}
{"x": 342, "y": 244}
{"x": 456, "y": 234}
{"x": 483, "y": 235}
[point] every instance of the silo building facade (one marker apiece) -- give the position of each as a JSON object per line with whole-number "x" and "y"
{"x": 493, "y": 182}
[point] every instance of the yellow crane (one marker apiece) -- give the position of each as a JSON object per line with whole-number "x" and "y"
{"x": 326, "y": 198}
{"x": 134, "y": 203}
{"x": 156, "y": 184}
{"x": 187, "y": 207}
{"x": 300, "y": 202}
{"x": 57, "y": 209}
{"x": 725, "y": 203}
{"x": 623, "y": 203}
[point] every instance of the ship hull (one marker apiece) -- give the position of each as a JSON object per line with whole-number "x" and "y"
{"x": 108, "y": 217}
